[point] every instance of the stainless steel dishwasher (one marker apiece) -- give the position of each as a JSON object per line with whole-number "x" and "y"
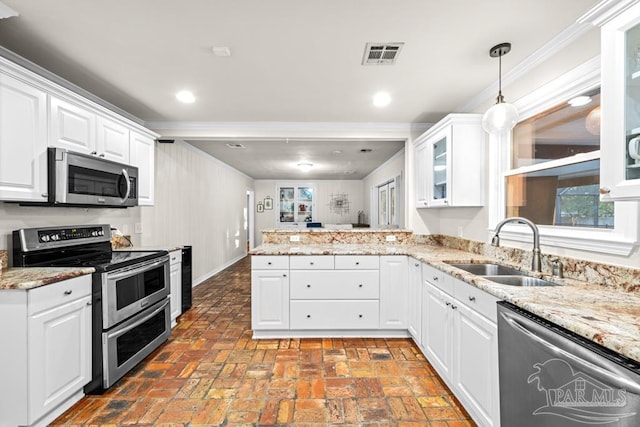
{"x": 552, "y": 377}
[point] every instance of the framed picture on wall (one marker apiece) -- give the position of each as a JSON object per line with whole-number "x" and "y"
{"x": 260, "y": 207}
{"x": 268, "y": 203}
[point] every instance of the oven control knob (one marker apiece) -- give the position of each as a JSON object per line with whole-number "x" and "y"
{"x": 101, "y": 233}
{"x": 55, "y": 237}
{"x": 45, "y": 238}
{"x": 94, "y": 233}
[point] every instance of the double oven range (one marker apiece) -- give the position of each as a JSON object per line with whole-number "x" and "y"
{"x": 130, "y": 293}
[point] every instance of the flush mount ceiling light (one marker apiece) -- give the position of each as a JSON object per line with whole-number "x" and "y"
{"x": 579, "y": 101}
{"x": 381, "y": 99}
{"x": 6, "y": 11}
{"x": 503, "y": 116}
{"x": 221, "y": 51}
{"x": 186, "y": 97}
{"x": 305, "y": 167}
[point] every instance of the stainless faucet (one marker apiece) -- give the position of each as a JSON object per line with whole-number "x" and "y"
{"x": 536, "y": 264}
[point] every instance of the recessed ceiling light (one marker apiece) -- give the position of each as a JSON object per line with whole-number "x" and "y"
{"x": 305, "y": 167}
{"x": 381, "y": 99}
{"x": 221, "y": 51}
{"x": 186, "y": 97}
{"x": 579, "y": 101}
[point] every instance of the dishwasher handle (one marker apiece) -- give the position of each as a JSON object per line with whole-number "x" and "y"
{"x": 590, "y": 363}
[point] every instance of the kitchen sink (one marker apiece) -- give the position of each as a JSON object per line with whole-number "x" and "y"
{"x": 520, "y": 281}
{"x": 488, "y": 269}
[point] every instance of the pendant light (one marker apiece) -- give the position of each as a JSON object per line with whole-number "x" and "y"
{"x": 503, "y": 116}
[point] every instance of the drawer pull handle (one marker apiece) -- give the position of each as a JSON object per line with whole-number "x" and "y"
{"x": 284, "y": 275}
{"x": 360, "y": 316}
{"x": 173, "y": 259}
{"x": 435, "y": 278}
{"x": 447, "y": 304}
{"x": 88, "y": 302}
{"x": 269, "y": 263}
{"x": 472, "y": 298}
{"x": 311, "y": 263}
{"x": 416, "y": 264}
{"x": 68, "y": 292}
{"x": 454, "y": 307}
{"x": 308, "y": 316}
{"x": 360, "y": 285}
{"x": 357, "y": 263}
{"x": 308, "y": 286}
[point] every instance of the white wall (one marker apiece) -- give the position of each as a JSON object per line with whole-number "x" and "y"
{"x": 13, "y": 217}
{"x": 200, "y": 201}
{"x": 324, "y": 189}
{"x": 389, "y": 170}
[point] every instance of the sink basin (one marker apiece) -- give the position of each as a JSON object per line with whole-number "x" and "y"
{"x": 520, "y": 281}
{"x": 488, "y": 269}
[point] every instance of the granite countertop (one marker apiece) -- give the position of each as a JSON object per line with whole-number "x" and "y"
{"x": 609, "y": 317}
{"x": 33, "y": 277}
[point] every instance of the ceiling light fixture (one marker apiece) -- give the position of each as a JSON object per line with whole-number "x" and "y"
{"x": 579, "y": 101}
{"x": 503, "y": 116}
{"x": 381, "y": 99}
{"x": 186, "y": 97}
{"x": 305, "y": 167}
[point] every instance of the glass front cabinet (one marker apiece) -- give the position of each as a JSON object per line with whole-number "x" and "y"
{"x": 620, "y": 126}
{"x": 450, "y": 159}
{"x": 295, "y": 205}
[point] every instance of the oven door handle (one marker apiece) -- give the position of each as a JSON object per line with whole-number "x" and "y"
{"x": 140, "y": 321}
{"x": 126, "y": 177}
{"x": 137, "y": 270}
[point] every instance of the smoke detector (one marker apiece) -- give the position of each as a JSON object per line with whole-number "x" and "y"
{"x": 381, "y": 53}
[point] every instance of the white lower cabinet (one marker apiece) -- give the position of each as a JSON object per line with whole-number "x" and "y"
{"x": 393, "y": 292}
{"x": 175, "y": 281}
{"x": 460, "y": 340}
{"x": 270, "y": 292}
{"x": 414, "y": 303}
{"x": 48, "y": 332}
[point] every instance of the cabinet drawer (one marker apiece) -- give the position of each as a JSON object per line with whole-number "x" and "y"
{"x": 322, "y": 314}
{"x": 175, "y": 257}
{"x": 437, "y": 278}
{"x": 476, "y": 299}
{"x": 270, "y": 262}
{"x": 333, "y": 284}
{"x": 311, "y": 262}
{"x": 56, "y": 294}
{"x": 357, "y": 262}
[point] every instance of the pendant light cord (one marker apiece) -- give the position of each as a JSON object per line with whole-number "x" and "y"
{"x": 500, "y": 98}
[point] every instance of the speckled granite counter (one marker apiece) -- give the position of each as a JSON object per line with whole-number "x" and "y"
{"x": 608, "y": 316}
{"x": 33, "y": 277}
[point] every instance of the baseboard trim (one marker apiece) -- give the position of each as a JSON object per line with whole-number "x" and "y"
{"x": 332, "y": 333}
{"x": 217, "y": 270}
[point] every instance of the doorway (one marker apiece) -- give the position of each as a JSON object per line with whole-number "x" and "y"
{"x": 387, "y": 203}
{"x": 249, "y": 221}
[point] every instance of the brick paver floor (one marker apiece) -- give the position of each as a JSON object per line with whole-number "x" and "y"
{"x": 212, "y": 373}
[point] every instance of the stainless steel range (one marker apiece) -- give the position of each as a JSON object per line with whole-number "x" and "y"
{"x": 131, "y": 313}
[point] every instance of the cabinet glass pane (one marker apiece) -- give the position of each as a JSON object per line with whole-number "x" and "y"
{"x": 296, "y": 204}
{"x": 440, "y": 170}
{"x": 287, "y": 204}
{"x": 632, "y": 107}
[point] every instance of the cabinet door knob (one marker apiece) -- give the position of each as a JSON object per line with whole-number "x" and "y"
{"x": 357, "y": 263}
{"x": 447, "y": 304}
{"x": 308, "y": 286}
{"x": 101, "y": 154}
{"x": 360, "y": 316}
{"x": 44, "y": 195}
{"x": 454, "y": 307}
{"x": 472, "y": 298}
{"x": 269, "y": 263}
{"x": 68, "y": 292}
{"x": 93, "y": 153}
{"x": 88, "y": 302}
{"x": 308, "y": 316}
{"x": 311, "y": 263}
{"x": 604, "y": 190}
{"x": 360, "y": 285}
{"x": 417, "y": 265}
{"x": 284, "y": 275}
{"x": 435, "y": 278}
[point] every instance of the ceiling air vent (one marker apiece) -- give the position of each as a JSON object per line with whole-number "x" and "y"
{"x": 366, "y": 150}
{"x": 381, "y": 53}
{"x": 235, "y": 145}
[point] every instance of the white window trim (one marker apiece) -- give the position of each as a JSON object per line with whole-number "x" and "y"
{"x": 620, "y": 240}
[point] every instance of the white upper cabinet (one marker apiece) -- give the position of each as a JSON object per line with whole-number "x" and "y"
{"x": 23, "y": 140}
{"x": 142, "y": 155}
{"x": 450, "y": 161}
{"x": 72, "y": 127}
{"x": 112, "y": 141}
{"x": 620, "y": 103}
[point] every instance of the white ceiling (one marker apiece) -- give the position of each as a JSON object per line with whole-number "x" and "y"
{"x": 292, "y": 60}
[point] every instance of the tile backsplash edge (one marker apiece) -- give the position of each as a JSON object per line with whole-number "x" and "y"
{"x": 4, "y": 259}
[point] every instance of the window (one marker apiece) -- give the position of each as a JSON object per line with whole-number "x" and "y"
{"x": 556, "y": 167}
{"x": 295, "y": 204}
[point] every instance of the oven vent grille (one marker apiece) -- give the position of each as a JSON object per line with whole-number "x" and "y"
{"x": 235, "y": 145}
{"x": 381, "y": 53}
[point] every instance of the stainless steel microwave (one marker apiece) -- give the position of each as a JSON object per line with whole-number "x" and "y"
{"x": 77, "y": 179}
